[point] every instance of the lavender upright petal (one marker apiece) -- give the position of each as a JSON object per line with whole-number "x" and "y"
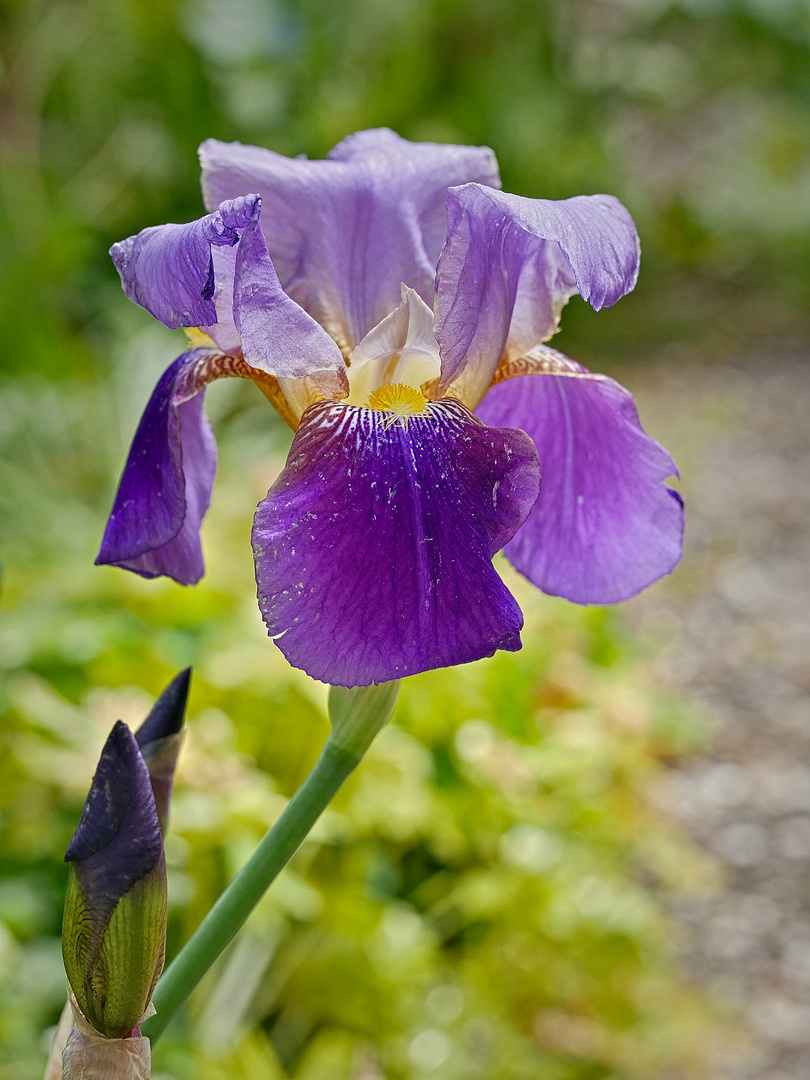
{"x": 345, "y": 232}
{"x": 223, "y": 331}
{"x": 168, "y": 269}
{"x": 166, "y": 485}
{"x": 373, "y": 548}
{"x": 509, "y": 266}
{"x": 181, "y": 275}
{"x": 277, "y": 336}
{"x": 605, "y": 525}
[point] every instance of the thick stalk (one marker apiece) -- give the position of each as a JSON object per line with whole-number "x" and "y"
{"x": 357, "y": 716}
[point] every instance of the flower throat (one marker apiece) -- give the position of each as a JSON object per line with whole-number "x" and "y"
{"x": 399, "y": 400}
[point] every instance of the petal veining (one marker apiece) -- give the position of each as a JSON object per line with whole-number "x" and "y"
{"x": 605, "y": 525}
{"x": 373, "y": 549}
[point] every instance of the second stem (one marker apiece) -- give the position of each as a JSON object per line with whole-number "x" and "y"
{"x": 357, "y": 715}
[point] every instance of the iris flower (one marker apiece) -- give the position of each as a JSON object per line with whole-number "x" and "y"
{"x": 393, "y": 304}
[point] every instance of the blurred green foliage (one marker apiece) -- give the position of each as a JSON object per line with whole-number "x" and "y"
{"x": 488, "y": 897}
{"x": 694, "y": 112}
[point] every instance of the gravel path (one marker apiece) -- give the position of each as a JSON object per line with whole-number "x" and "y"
{"x": 734, "y": 623}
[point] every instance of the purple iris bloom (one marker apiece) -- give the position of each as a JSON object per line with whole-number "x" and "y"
{"x": 393, "y": 304}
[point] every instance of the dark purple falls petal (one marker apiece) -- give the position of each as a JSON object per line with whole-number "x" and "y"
{"x": 373, "y": 548}
{"x": 166, "y": 484}
{"x": 118, "y": 841}
{"x": 605, "y": 525}
{"x": 509, "y": 266}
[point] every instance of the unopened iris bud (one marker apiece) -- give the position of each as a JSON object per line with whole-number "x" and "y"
{"x": 159, "y": 739}
{"x": 114, "y": 931}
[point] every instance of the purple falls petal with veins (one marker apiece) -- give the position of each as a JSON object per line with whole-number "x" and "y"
{"x": 373, "y": 548}
{"x": 345, "y": 232}
{"x": 166, "y": 485}
{"x": 605, "y": 525}
{"x": 510, "y": 264}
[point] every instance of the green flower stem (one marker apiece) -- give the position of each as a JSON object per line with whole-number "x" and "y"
{"x": 357, "y": 716}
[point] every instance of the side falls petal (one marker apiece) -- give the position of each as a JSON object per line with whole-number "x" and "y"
{"x": 606, "y": 525}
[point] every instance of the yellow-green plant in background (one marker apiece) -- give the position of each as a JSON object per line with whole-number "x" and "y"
{"x": 488, "y": 895}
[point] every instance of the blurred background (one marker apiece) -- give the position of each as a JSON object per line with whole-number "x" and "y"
{"x": 585, "y": 861}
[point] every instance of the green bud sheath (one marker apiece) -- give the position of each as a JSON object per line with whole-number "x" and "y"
{"x": 113, "y": 964}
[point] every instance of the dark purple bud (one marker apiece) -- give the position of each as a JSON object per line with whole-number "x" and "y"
{"x": 159, "y": 738}
{"x": 168, "y": 712}
{"x": 114, "y": 928}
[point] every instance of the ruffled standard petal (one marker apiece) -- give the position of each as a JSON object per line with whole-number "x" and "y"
{"x": 373, "y": 548}
{"x": 182, "y": 276}
{"x": 605, "y": 525}
{"x": 509, "y": 266}
{"x": 277, "y": 336}
{"x": 169, "y": 270}
{"x": 344, "y": 232}
{"x": 166, "y": 485}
